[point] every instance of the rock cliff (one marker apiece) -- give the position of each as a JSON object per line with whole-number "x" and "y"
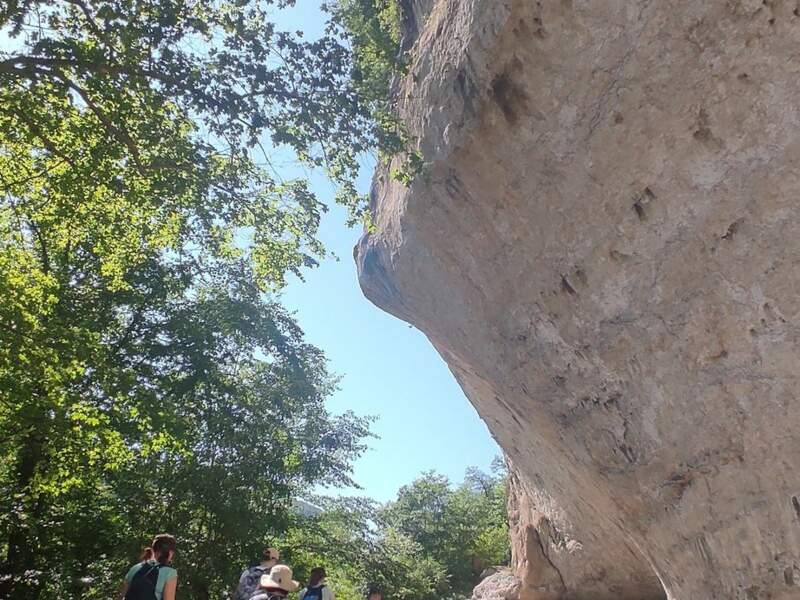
{"x": 604, "y": 248}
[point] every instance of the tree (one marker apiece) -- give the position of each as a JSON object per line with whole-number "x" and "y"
{"x": 375, "y": 29}
{"x": 148, "y": 378}
{"x": 431, "y": 542}
{"x": 175, "y": 425}
{"x": 358, "y": 550}
{"x": 465, "y": 529}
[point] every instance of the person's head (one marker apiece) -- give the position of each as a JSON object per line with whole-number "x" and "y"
{"x": 162, "y": 549}
{"x": 270, "y": 557}
{"x": 374, "y": 594}
{"x": 316, "y": 576}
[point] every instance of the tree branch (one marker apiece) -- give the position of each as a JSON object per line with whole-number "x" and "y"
{"x": 24, "y": 64}
{"x": 37, "y": 131}
{"x": 89, "y": 18}
{"x": 32, "y": 176}
{"x": 120, "y": 134}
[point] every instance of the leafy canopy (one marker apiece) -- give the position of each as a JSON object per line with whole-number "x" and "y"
{"x": 431, "y": 542}
{"x": 149, "y": 380}
{"x": 463, "y": 528}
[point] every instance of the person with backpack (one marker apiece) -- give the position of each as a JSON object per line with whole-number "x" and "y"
{"x": 250, "y": 579}
{"x": 153, "y": 578}
{"x": 276, "y": 585}
{"x": 316, "y": 589}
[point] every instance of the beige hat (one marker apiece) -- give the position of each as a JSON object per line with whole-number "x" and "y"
{"x": 279, "y": 577}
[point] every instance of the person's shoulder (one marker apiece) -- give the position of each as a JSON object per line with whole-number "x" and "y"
{"x": 132, "y": 571}
{"x": 169, "y": 572}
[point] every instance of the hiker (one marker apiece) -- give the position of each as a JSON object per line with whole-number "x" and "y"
{"x": 374, "y": 594}
{"x": 276, "y": 585}
{"x": 249, "y": 581}
{"x": 153, "y": 577}
{"x": 316, "y": 589}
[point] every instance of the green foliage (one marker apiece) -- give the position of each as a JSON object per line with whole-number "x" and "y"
{"x": 195, "y": 409}
{"x": 148, "y": 380}
{"x": 357, "y": 550}
{"x": 432, "y": 542}
{"x": 103, "y": 90}
{"x": 464, "y": 529}
{"x": 374, "y": 28}
{"x": 374, "y": 31}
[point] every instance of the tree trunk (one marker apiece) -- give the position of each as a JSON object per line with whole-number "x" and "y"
{"x": 20, "y": 556}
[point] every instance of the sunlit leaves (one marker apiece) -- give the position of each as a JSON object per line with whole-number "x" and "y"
{"x": 147, "y": 378}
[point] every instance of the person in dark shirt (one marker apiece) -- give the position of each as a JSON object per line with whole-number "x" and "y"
{"x": 155, "y": 565}
{"x": 317, "y": 589}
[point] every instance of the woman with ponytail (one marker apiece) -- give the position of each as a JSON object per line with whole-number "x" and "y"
{"x": 153, "y": 577}
{"x": 316, "y": 588}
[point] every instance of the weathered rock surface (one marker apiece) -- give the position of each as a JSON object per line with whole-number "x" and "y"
{"x": 604, "y": 248}
{"x": 501, "y": 585}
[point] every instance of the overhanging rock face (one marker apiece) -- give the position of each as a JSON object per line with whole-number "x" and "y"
{"x": 605, "y": 248}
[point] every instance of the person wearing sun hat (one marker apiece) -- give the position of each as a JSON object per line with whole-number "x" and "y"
{"x": 277, "y": 584}
{"x": 250, "y": 579}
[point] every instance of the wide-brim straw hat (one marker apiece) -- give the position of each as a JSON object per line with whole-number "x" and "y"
{"x": 279, "y": 577}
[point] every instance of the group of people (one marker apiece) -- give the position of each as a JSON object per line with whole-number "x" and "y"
{"x": 154, "y": 579}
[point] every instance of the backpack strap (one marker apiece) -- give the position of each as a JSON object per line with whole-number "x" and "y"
{"x": 144, "y": 571}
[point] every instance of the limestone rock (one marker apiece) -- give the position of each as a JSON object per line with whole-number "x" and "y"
{"x": 501, "y": 585}
{"x": 605, "y": 248}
